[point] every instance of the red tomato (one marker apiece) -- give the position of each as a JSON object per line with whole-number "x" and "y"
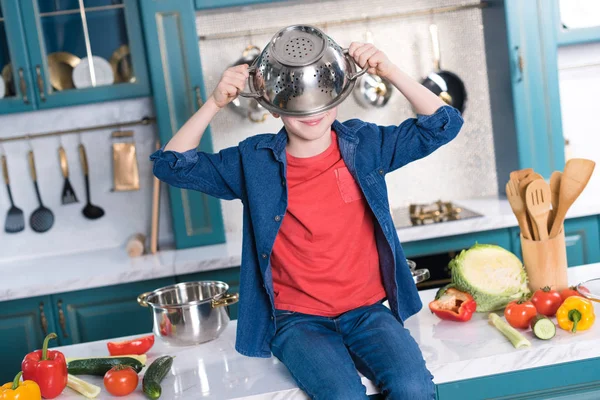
{"x": 121, "y": 380}
{"x": 568, "y": 292}
{"x": 546, "y": 301}
{"x": 519, "y": 313}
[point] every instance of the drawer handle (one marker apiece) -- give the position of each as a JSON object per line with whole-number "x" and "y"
{"x": 572, "y": 240}
{"x": 23, "y": 86}
{"x": 61, "y": 319}
{"x": 198, "y": 97}
{"x": 43, "y": 319}
{"x": 40, "y": 82}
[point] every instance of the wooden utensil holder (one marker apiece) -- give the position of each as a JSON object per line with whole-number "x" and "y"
{"x": 546, "y": 262}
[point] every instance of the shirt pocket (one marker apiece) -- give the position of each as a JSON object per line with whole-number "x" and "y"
{"x": 349, "y": 189}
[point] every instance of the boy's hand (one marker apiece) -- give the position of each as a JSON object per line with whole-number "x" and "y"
{"x": 232, "y": 83}
{"x": 368, "y": 56}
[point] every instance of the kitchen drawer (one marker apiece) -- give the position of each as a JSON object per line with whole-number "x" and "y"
{"x": 23, "y": 327}
{"x": 231, "y": 276}
{"x": 103, "y": 313}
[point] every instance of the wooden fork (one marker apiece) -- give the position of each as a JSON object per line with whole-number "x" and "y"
{"x": 539, "y": 200}
{"x": 518, "y": 206}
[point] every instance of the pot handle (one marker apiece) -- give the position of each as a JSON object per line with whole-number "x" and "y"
{"x": 141, "y": 299}
{"x": 356, "y": 74}
{"x": 254, "y": 95}
{"x": 227, "y": 300}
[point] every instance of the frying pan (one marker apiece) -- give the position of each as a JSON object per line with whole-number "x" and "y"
{"x": 445, "y": 84}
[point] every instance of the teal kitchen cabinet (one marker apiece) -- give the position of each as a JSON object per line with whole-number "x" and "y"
{"x": 572, "y": 23}
{"x": 103, "y": 313}
{"x": 16, "y": 85}
{"x": 178, "y": 88}
{"x": 46, "y": 46}
{"x": 231, "y": 276}
{"x": 582, "y": 239}
{"x": 23, "y": 327}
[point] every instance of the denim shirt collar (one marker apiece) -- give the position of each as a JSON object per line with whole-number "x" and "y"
{"x": 278, "y": 141}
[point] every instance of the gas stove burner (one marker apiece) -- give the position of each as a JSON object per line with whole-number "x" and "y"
{"x": 437, "y": 212}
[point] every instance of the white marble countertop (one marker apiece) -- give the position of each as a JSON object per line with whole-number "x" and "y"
{"x": 453, "y": 351}
{"x": 23, "y": 278}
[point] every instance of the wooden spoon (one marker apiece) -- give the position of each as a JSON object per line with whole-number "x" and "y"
{"x": 520, "y": 174}
{"x": 523, "y": 183}
{"x": 538, "y": 205}
{"x": 518, "y": 206}
{"x": 554, "y": 191}
{"x": 575, "y": 177}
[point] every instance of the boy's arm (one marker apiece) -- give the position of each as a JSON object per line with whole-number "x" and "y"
{"x": 436, "y": 123}
{"x": 180, "y": 165}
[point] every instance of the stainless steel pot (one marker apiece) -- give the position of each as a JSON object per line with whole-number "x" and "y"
{"x": 373, "y": 91}
{"x": 189, "y": 313}
{"x": 301, "y": 72}
{"x": 249, "y": 107}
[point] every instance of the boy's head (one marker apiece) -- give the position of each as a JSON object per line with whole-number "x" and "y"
{"x": 309, "y": 128}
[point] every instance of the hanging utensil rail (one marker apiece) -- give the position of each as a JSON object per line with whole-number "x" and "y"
{"x": 143, "y": 121}
{"x": 347, "y": 21}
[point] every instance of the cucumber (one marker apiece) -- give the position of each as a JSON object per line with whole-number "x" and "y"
{"x": 141, "y": 357}
{"x": 542, "y": 327}
{"x": 99, "y": 366}
{"x": 154, "y": 375}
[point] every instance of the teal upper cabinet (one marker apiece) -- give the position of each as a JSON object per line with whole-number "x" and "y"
{"x": 532, "y": 63}
{"x": 174, "y": 64}
{"x": 577, "y": 21}
{"x": 77, "y": 51}
{"x": 16, "y": 91}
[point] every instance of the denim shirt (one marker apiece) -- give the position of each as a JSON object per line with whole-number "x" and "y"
{"x": 255, "y": 172}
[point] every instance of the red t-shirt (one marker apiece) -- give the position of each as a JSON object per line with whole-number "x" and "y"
{"x": 325, "y": 260}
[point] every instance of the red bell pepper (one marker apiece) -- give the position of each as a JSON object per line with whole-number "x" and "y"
{"x": 453, "y": 305}
{"x": 137, "y": 346}
{"x": 47, "y": 368}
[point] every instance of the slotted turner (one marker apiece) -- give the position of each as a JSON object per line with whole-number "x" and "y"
{"x": 538, "y": 199}
{"x": 518, "y": 206}
{"x": 68, "y": 194}
{"x": 15, "y": 221}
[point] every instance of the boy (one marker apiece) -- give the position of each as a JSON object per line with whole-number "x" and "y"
{"x": 320, "y": 251}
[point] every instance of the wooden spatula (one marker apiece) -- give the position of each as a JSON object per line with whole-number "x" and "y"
{"x": 523, "y": 183}
{"x": 575, "y": 177}
{"x": 538, "y": 205}
{"x": 554, "y": 191}
{"x": 518, "y": 206}
{"x": 520, "y": 174}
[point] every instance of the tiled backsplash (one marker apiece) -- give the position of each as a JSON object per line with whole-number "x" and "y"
{"x": 463, "y": 169}
{"x": 579, "y": 75}
{"x": 126, "y": 213}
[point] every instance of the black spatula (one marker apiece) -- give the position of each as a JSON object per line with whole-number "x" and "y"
{"x": 15, "y": 221}
{"x": 42, "y": 219}
{"x": 68, "y": 194}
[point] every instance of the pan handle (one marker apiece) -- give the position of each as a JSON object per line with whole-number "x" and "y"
{"x": 435, "y": 42}
{"x": 227, "y": 300}
{"x": 141, "y": 299}
{"x": 251, "y": 70}
{"x": 356, "y": 74}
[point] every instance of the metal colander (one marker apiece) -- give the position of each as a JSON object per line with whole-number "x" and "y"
{"x": 301, "y": 72}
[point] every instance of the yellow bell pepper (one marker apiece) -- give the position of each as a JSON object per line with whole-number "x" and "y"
{"x": 575, "y": 313}
{"x": 15, "y": 390}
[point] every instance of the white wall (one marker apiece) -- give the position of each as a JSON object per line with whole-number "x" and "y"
{"x": 463, "y": 169}
{"x": 579, "y": 75}
{"x": 126, "y": 212}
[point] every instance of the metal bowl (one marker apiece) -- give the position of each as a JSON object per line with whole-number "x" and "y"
{"x": 189, "y": 313}
{"x": 301, "y": 72}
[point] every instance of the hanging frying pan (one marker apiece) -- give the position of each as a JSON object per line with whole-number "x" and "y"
{"x": 445, "y": 84}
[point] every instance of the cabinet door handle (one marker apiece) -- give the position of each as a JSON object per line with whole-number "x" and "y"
{"x": 23, "y": 86}
{"x": 40, "y": 82}
{"x": 520, "y": 64}
{"x": 43, "y": 319}
{"x": 572, "y": 240}
{"x": 199, "y": 101}
{"x": 61, "y": 319}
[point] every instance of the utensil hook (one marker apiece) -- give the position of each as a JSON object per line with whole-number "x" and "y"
{"x": 29, "y": 142}
{"x": 435, "y": 42}
{"x": 2, "y": 151}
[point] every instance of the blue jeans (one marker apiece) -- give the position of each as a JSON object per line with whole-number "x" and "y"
{"x": 323, "y": 354}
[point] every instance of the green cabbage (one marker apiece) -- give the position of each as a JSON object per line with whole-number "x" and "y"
{"x": 492, "y": 275}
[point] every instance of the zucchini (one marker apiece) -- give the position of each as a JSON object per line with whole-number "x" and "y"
{"x": 141, "y": 358}
{"x": 154, "y": 375}
{"x": 542, "y": 327}
{"x": 99, "y": 366}
{"x": 85, "y": 388}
